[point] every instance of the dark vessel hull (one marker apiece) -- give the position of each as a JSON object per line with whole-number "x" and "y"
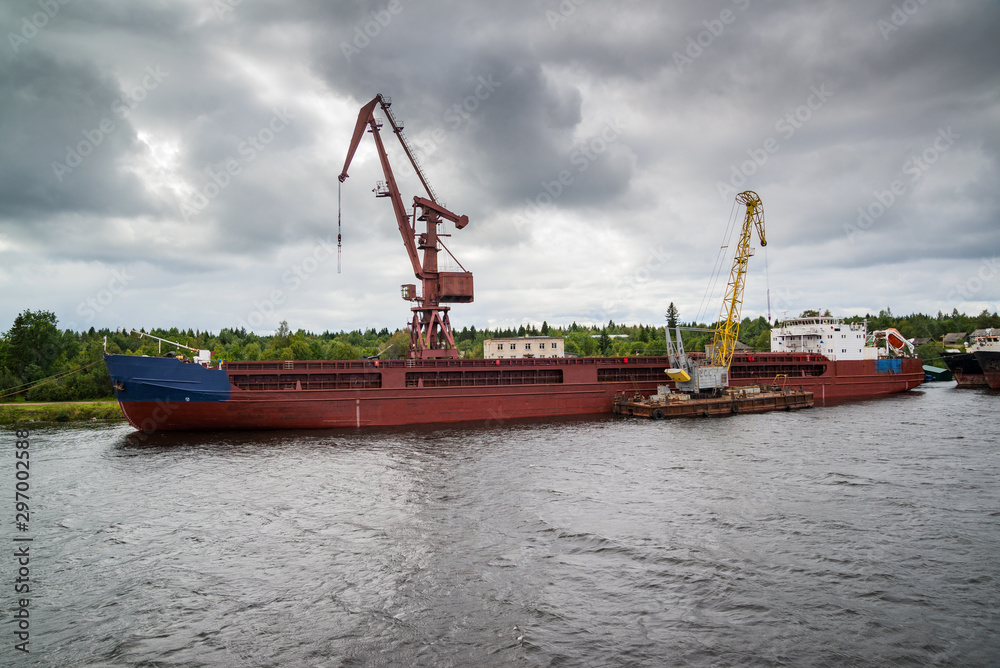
{"x": 989, "y": 360}
{"x": 966, "y": 368}
{"x": 158, "y": 393}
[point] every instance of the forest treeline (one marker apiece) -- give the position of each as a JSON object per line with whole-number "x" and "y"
{"x": 35, "y": 353}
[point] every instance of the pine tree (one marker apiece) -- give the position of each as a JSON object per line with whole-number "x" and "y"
{"x": 672, "y": 315}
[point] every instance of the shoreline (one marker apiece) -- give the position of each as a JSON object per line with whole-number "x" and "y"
{"x": 59, "y": 411}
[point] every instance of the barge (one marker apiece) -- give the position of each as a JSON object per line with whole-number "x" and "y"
{"x": 731, "y": 401}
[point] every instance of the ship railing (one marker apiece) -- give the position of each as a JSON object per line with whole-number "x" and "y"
{"x": 437, "y": 364}
{"x": 377, "y": 365}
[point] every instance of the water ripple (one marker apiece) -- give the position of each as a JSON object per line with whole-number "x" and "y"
{"x": 859, "y": 534}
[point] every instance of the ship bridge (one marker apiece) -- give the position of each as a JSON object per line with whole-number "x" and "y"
{"x": 823, "y": 335}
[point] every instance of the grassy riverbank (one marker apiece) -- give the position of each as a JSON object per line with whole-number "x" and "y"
{"x": 74, "y": 411}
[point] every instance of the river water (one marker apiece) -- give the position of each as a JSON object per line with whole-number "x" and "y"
{"x": 862, "y": 534}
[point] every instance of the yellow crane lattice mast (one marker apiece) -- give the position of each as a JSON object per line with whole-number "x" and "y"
{"x": 724, "y": 341}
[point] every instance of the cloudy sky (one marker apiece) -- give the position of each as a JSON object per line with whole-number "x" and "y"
{"x": 174, "y": 163}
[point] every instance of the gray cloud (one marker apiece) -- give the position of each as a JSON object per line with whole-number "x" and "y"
{"x": 576, "y": 137}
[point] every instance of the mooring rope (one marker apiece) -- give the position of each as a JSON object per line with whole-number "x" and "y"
{"x": 50, "y": 379}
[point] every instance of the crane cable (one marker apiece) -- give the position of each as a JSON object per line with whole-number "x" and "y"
{"x": 719, "y": 264}
{"x": 767, "y": 283}
{"x": 339, "y": 184}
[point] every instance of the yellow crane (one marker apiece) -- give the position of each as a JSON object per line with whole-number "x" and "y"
{"x": 713, "y": 373}
{"x": 724, "y": 341}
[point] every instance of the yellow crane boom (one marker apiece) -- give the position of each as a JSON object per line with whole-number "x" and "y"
{"x": 724, "y": 341}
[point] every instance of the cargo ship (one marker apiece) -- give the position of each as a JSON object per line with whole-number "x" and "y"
{"x": 435, "y": 385}
{"x": 967, "y": 366}
{"x": 168, "y": 393}
{"x": 986, "y": 350}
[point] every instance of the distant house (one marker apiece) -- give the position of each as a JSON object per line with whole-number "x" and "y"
{"x": 954, "y": 338}
{"x": 921, "y": 341}
{"x": 525, "y": 346}
{"x": 989, "y": 331}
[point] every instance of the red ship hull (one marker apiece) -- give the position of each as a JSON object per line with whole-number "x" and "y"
{"x": 318, "y": 409}
{"x": 330, "y": 394}
{"x": 827, "y": 379}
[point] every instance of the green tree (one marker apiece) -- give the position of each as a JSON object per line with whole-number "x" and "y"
{"x": 604, "y": 342}
{"x": 581, "y": 343}
{"x": 985, "y": 320}
{"x": 282, "y": 335}
{"x": 33, "y": 342}
{"x": 672, "y": 314}
{"x": 762, "y": 343}
{"x": 398, "y": 345}
{"x": 300, "y": 348}
{"x": 340, "y": 350}
{"x": 930, "y": 353}
{"x": 622, "y": 347}
{"x": 657, "y": 346}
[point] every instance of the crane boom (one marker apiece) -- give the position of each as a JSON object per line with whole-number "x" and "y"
{"x": 367, "y": 117}
{"x": 724, "y": 341}
{"x": 398, "y": 129}
{"x": 430, "y": 328}
{"x": 712, "y": 374}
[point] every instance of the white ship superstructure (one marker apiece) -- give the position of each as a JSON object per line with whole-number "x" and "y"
{"x": 825, "y": 336}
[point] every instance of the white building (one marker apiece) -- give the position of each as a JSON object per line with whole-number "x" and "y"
{"x": 525, "y": 346}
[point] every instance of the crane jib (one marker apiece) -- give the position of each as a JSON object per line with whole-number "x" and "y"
{"x": 430, "y": 329}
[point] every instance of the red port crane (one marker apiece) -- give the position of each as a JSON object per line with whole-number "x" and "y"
{"x": 430, "y": 329}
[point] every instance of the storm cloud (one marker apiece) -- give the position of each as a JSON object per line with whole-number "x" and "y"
{"x": 175, "y": 164}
